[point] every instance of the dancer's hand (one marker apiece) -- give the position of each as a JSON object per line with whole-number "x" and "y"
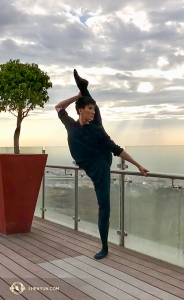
{"x": 143, "y": 170}
{"x": 79, "y": 94}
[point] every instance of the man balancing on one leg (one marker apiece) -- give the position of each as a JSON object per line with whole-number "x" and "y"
{"x": 91, "y": 148}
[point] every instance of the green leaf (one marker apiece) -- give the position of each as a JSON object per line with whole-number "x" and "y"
{"x": 24, "y": 86}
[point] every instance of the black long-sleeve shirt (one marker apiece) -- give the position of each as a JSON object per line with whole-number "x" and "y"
{"x": 88, "y": 143}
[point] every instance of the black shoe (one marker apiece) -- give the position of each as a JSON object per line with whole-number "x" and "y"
{"x": 103, "y": 253}
{"x": 81, "y": 83}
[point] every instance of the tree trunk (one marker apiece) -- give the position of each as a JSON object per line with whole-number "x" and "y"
{"x": 17, "y": 133}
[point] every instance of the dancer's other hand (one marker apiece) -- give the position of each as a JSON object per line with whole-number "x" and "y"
{"x": 143, "y": 170}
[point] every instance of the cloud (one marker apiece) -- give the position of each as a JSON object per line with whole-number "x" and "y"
{"x": 131, "y": 52}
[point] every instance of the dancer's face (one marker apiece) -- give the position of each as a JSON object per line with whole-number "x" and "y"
{"x": 88, "y": 112}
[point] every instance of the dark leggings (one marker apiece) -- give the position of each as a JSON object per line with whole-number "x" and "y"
{"x": 102, "y": 189}
{"x": 100, "y": 175}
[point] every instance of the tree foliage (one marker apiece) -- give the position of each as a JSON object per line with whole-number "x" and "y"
{"x": 23, "y": 87}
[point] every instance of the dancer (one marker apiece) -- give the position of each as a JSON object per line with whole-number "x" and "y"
{"x": 92, "y": 149}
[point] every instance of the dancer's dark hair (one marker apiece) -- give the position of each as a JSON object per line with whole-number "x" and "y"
{"x": 83, "y": 101}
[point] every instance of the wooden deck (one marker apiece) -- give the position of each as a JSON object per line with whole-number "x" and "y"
{"x": 57, "y": 262}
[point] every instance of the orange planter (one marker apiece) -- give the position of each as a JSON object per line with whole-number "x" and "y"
{"x": 20, "y": 181}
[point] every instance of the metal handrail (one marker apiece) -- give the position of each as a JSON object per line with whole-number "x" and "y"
{"x": 122, "y": 192}
{"x": 125, "y": 172}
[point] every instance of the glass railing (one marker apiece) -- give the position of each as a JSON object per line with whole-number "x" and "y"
{"x": 154, "y": 217}
{"x": 88, "y": 208}
{"x": 23, "y": 150}
{"x": 6, "y": 150}
{"x": 147, "y": 213}
{"x": 59, "y": 196}
{"x": 164, "y": 159}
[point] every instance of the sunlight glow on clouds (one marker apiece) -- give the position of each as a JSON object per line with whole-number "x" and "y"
{"x": 179, "y": 52}
{"x": 138, "y": 18}
{"x": 145, "y": 87}
{"x": 174, "y": 88}
{"x": 115, "y": 84}
{"x": 96, "y": 24}
{"x": 162, "y": 61}
{"x": 34, "y": 9}
{"x": 157, "y": 73}
{"x": 137, "y": 112}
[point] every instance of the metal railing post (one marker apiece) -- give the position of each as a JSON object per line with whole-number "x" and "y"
{"x": 76, "y": 217}
{"x": 122, "y": 209}
{"x": 43, "y": 192}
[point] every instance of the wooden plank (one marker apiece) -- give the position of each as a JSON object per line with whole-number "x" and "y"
{"x": 112, "y": 246}
{"x": 23, "y": 252}
{"x": 154, "y": 260}
{"x": 9, "y": 277}
{"x": 6, "y": 294}
{"x": 126, "y": 269}
{"x": 55, "y": 245}
{"x": 64, "y": 230}
{"x": 66, "y": 235}
{"x": 72, "y": 242}
{"x": 42, "y": 246}
{"x": 151, "y": 265}
{"x": 112, "y": 281}
{"x": 145, "y": 278}
{"x": 78, "y": 249}
{"x": 84, "y": 282}
{"x": 47, "y": 253}
{"x": 134, "y": 265}
{"x": 29, "y": 277}
{"x": 127, "y": 278}
{"x": 36, "y": 276}
{"x": 148, "y": 271}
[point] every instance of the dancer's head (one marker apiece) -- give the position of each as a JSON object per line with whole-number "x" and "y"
{"x": 85, "y": 107}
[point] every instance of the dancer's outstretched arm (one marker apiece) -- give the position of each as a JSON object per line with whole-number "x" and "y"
{"x": 124, "y": 155}
{"x": 119, "y": 151}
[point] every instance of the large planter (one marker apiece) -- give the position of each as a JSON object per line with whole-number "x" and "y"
{"x": 20, "y": 181}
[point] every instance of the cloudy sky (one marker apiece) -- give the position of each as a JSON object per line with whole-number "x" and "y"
{"x": 131, "y": 52}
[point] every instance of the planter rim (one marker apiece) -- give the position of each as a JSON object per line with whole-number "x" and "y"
{"x": 28, "y": 154}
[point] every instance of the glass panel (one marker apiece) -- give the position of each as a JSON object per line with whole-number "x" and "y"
{"x": 154, "y": 218}
{"x": 88, "y": 208}
{"x": 115, "y": 209}
{"x": 6, "y": 150}
{"x": 31, "y": 150}
{"x": 164, "y": 159}
{"x": 22, "y": 150}
{"x": 59, "y": 156}
{"x": 59, "y": 196}
{"x": 116, "y": 160}
{"x": 38, "y": 211}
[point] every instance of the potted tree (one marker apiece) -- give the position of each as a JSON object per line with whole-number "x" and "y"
{"x": 23, "y": 87}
